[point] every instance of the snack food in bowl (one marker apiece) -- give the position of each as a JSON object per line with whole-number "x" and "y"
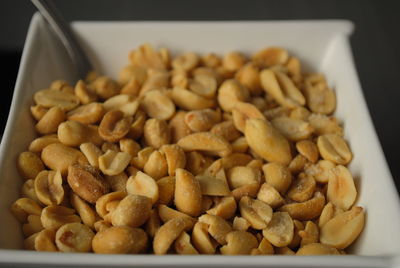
{"x": 270, "y": 202}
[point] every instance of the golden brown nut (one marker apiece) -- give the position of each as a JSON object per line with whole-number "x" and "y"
{"x": 202, "y": 240}
{"x": 38, "y": 144}
{"x": 85, "y": 93}
{"x": 224, "y": 207}
{"x": 229, "y": 93}
{"x": 320, "y": 98}
{"x": 317, "y": 249}
{"x": 187, "y": 193}
{"x": 38, "y": 111}
{"x": 48, "y": 187}
{"x": 267, "y": 142}
{"x": 167, "y": 213}
{"x": 242, "y": 111}
{"x": 310, "y": 234}
{"x": 23, "y": 207}
{"x": 132, "y": 211}
{"x": 217, "y": 227}
{"x": 156, "y": 133}
{"x": 112, "y": 163}
{"x": 85, "y": 211}
{"x": 249, "y": 76}
{"x": 153, "y": 223}
{"x": 202, "y": 120}
{"x": 114, "y": 125}
{"x": 302, "y": 189}
{"x": 183, "y": 246}
{"x": 130, "y": 72}
{"x": 143, "y": 184}
{"x": 178, "y": 126}
{"x": 307, "y": 210}
{"x": 120, "y": 240}
{"x": 105, "y": 87}
{"x": 341, "y": 189}
{"x": 256, "y": 212}
{"x": 34, "y": 225}
{"x": 142, "y": 157}
{"x": 308, "y": 149}
{"x": 279, "y": 231}
{"x": 44, "y": 241}
{"x": 189, "y": 100}
{"x": 174, "y": 156}
{"x": 102, "y": 205}
{"x": 186, "y": 61}
{"x": 87, "y": 114}
{"x": 50, "y": 121}
{"x": 122, "y": 102}
{"x": 270, "y": 196}
{"x": 156, "y": 79}
{"x": 334, "y": 148}
{"x": 235, "y": 159}
{"x": 53, "y": 217}
{"x": 156, "y": 166}
{"x": 117, "y": 182}
{"x": 239, "y": 243}
{"x": 74, "y": 237}
{"x": 292, "y": 129}
{"x": 158, "y": 105}
{"x": 323, "y": 124}
{"x": 86, "y": 182}
{"x": 29, "y": 165}
{"x": 270, "y": 56}
{"x": 207, "y": 142}
{"x": 278, "y": 176}
{"x": 227, "y": 130}
{"x": 49, "y": 98}
{"x": 73, "y": 133}
{"x": 92, "y": 153}
{"x": 212, "y": 186}
{"x": 166, "y": 190}
{"x": 321, "y": 171}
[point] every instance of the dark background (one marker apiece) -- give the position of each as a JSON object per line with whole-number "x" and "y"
{"x": 375, "y": 42}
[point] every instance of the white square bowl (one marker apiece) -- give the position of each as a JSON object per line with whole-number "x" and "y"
{"x": 322, "y": 45}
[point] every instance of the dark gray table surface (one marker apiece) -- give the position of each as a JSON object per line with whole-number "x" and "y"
{"x": 375, "y": 42}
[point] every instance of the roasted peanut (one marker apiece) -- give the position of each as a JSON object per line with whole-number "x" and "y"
{"x": 341, "y": 189}
{"x": 114, "y": 125}
{"x": 239, "y": 243}
{"x": 183, "y": 245}
{"x": 53, "y": 217}
{"x": 239, "y": 176}
{"x": 334, "y": 148}
{"x": 310, "y": 234}
{"x": 29, "y": 165}
{"x": 186, "y": 61}
{"x": 212, "y": 186}
{"x": 85, "y": 94}
{"x": 120, "y": 240}
{"x": 24, "y": 207}
{"x": 74, "y": 237}
{"x": 117, "y": 182}
{"x": 87, "y": 114}
{"x": 302, "y": 189}
{"x": 158, "y": 105}
{"x": 204, "y": 85}
{"x": 277, "y": 176}
{"x": 28, "y": 190}
{"x": 202, "y": 120}
{"x": 156, "y": 166}
{"x": 34, "y": 225}
{"x": 256, "y": 212}
{"x": 113, "y": 163}
{"x": 156, "y": 133}
{"x": 49, "y": 98}
{"x": 130, "y": 72}
{"x": 166, "y": 190}
{"x": 142, "y": 157}
{"x": 243, "y": 111}
{"x": 306, "y": 210}
{"x": 122, "y": 102}
{"x": 308, "y": 149}
{"x": 45, "y": 241}
{"x": 217, "y": 227}
{"x": 321, "y": 171}
{"x": 48, "y": 187}
{"x": 320, "y": 98}
{"x": 178, "y": 126}
{"x": 145, "y": 56}
{"x": 73, "y": 133}
{"x": 270, "y": 196}
{"x": 229, "y": 93}
{"x": 187, "y": 193}
{"x": 270, "y": 56}
{"x": 279, "y": 230}
{"x": 235, "y": 159}
{"x": 323, "y": 124}
{"x": 224, "y": 207}
{"x": 58, "y": 156}
{"x": 317, "y": 249}
{"x": 102, "y": 204}
{"x": 85, "y": 211}
{"x": 132, "y": 211}
{"x": 136, "y": 129}
{"x": 202, "y": 240}
{"x": 167, "y": 213}
{"x": 38, "y": 111}
{"x": 233, "y": 61}
{"x": 86, "y": 182}
{"x": 189, "y": 100}
{"x": 38, "y": 144}
{"x": 143, "y": 184}
{"x": 292, "y": 129}
{"x": 175, "y": 157}
{"x": 267, "y": 142}
{"x": 153, "y": 223}
{"x": 227, "y": 130}
{"x": 50, "y": 121}
{"x": 249, "y": 76}
{"x": 207, "y": 142}
{"x": 105, "y": 87}
{"x": 92, "y": 153}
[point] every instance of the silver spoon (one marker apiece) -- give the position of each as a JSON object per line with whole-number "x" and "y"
{"x": 64, "y": 32}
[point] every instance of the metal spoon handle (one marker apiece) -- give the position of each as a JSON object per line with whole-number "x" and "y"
{"x": 67, "y": 37}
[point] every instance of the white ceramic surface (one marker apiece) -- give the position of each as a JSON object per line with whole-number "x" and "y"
{"x": 321, "y": 45}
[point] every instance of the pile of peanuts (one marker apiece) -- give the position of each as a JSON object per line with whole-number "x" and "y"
{"x": 193, "y": 154}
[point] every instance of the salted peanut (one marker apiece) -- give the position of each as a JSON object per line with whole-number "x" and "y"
{"x": 48, "y": 187}
{"x": 29, "y": 165}
{"x": 212, "y": 186}
{"x": 61, "y": 85}
{"x": 101, "y": 225}
{"x": 166, "y": 213}
{"x": 249, "y": 76}
{"x": 156, "y": 133}
{"x": 217, "y": 227}
{"x": 302, "y": 189}
{"x": 85, "y": 211}
{"x": 109, "y": 146}
{"x": 310, "y": 234}
{"x": 183, "y": 246}
{"x": 250, "y": 190}
{"x": 168, "y": 233}
{"x": 120, "y": 240}
{"x": 117, "y": 182}
{"x": 279, "y": 231}
{"x": 187, "y": 61}
{"x": 280, "y": 87}
{"x": 307, "y": 210}
{"x": 298, "y": 164}
{"x": 196, "y": 163}
{"x": 45, "y": 241}
{"x": 178, "y": 126}
{"x": 321, "y": 171}
{"x": 50, "y": 121}
{"x": 34, "y": 225}
{"x": 211, "y": 60}
{"x": 202, "y": 240}
{"x": 240, "y": 175}
{"x": 125, "y": 103}
{"x": 28, "y": 190}
{"x": 259, "y": 102}
{"x": 142, "y": 157}
{"x": 132, "y": 87}
{"x": 87, "y": 182}
{"x": 130, "y": 72}
{"x": 277, "y": 176}
{"x": 264, "y": 248}
{"x": 323, "y": 124}
{"x": 240, "y": 224}
{"x": 143, "y": 184}
{"x": 317, "y": 249}
{"x": 90, "y": 113}
{"x": 334, "y": 148}
{"x": 256, "y": 212}
{"x": 189, "y": 100}
{"x": 85, "y": 94}
{"x": 175, "y": 157}
{"x": 320, "y": 98}
{"x": 343, "y": 229}
{"x": 105, "y": 87}
{"x": 308, "y": 149}
{"x": 166, "y": 190}
{"x": 156, "y": 166}
{"x": 73, "y": 133}
{"x": 271, "y": 113}
{"x": 24, "y": 207}
{"x": 145, "y": 56}
{"x": 132, "y": 211}
{"x": 204, "y": 85}
{"x": 271, "y": 56}
{"x": 231, "y": 92}
{"x": 91, "y": 152}
{"x": 206, "y": 142}
{"x": 292, "y": 129}
{"x": 37, "y": 145}
{"x": 129, "y": 146}
{"x": 298, "y": 226}
{"x": 48, "y": 98}
{"x": 269, "y": 195}
{"x": 206, "y": 203}
{"x": 114, "y": 125}
{"x": 202, "y": 120}
{"x": 255, "y": 163}
{"x": 158, "y": 105}
{"x": 102, "y": 207}
{"x": 74, "y": 237}
{"x": 240, "y": 145}
{"x": 341, "y": 189}
{"x": 29, "y": 243}
{"x": 284, "y": 251}
{"x": 216, "y": 170}
{"x": 328, "y": 213}
{"x": 186, "y": 183}
{"x": 179, "y": 78}
{"x": 53, "y": 217}
{"x": 267, "y": 142}
{"x": 113, "y": 163}
{"x": 136, "y": 129}
{"x": 153, "y": 223}
{"x": 224, "y": 207}
{"x": 239, "y": 243}
{"x": 243, "y": 111}
{"x": 227, "y": 130}
{"x": 233, "y": 61}
{"x": 294, "y": 69}
{"x": 38, "y": 111}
